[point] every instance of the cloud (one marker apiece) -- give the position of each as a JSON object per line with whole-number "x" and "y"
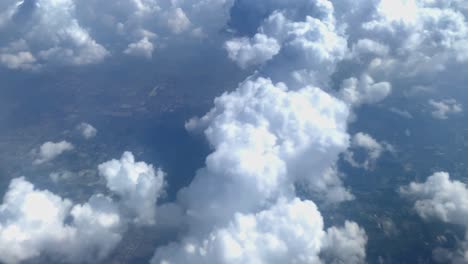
{"x": 177, "y": 21}
{"x": 87, "y": 130}
{"x": 364, "y": 90}
{"x": 345, "y": 244}
{"x": 52, "y": 35}
{"x": 441, "y": 109}
{"x": 143, "y": 48}
{"x": 289, "y": 232}
{"x": 71, "y": 32}
{"x": 23, "y": 60}
{"x": 50, "y": 150}
{"x": 33, "y": 222}
{"x": 262, "y": 135}
{"x": 442, "y": 199}
{"x": 137, "y": 184}
{"x": 266, "y": 139}
{"x": 373, "y": 148}
{"x": 309, "y": 47}
{"x": 246, "y": 52}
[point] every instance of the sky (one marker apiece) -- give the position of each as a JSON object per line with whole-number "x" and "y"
{"x": 233, "y": 131}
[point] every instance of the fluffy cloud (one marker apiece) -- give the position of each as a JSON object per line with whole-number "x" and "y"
{"x": 441, "y": 109}
{"x": 85, "y": 32}
{"x": 138, "y": 185}
{"x": 246, "y": 52}
{"x": 36, "y": 223}
{"x": 143, "y": 48}
{"x": 307, "y": 48}
{"x": 364, "y": 90}
{"x": 289, "y": 232}
{"x": 87, "y": 130}
{"x": 23, "y": 60}
{"x": 50, "y": 33}
{"x": 266, "y": 139}
{"x": 345, "y": 244}
{"x": 445, "y": 200}
{"x": 408, "y": 39}
{"x": 373, "y": 148}
{"x": 262, "y": 135}
{"x": 50, "y": 150}
{"x": 178, "y": 21}
{"x": 440, "y": 198}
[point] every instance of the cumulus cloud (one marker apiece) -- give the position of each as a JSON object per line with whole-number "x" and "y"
{"x": 138, "y": 185}
{"x": 364, "y": 90}
{"x": 87, "y": 130}
{"x": 143, "y": 48}
{"x": 441, "y": 109}
{"x": 51, "y": 34}
{"x": 35, "y": 223}
{"x": 178, "y": 21}
{"x": 289, "y": 232}
{"x": 84, "y": 32}
{"x": 373, "y": 148}
{"x": 345, "y": 244}
{"x": 310, "y": 46}
{"x": 23, "y": 60}
{"x": 266, "y": 133}
{"x": 440, "y": 198}
{"x": 265, "y": 139}
{"x": 421, "y": 36}
{"x": 50, "y": 150}
{"x": 246, "y": 52}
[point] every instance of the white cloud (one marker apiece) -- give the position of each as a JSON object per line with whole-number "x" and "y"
{"x": 265, "y": 140}
{"x": 138, "y": 185}
{"x": 246, "y": 52}
{"x": 289, "y": 232}
{"x": 442, "y": 199}
{"x": 422, "y": 37}
{"x": 50, "y": 150}
{"x": 369, "y": 47}
{"x": 87, "y": 130}
{"x": 53, "y": 34}
{"x": 143, "y": 48}
{"x": 35, "y": 222}
{"x": 373, "y": 147}
{"x": 364, "y": 90}
{"x": 345, "y": 244}
{"x": 309, "y": 42}
{"x": 23, "y": 60}
{"x": 178, "y": 21}
{"x": 441, "y": 109}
